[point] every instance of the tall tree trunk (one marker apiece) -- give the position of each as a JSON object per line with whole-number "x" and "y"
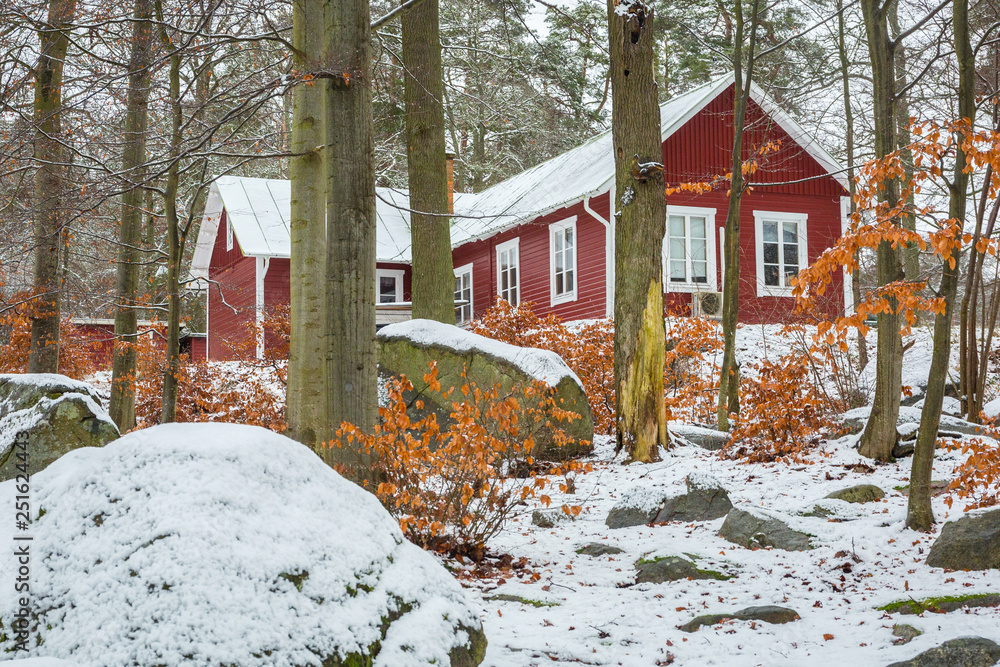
{"x": 49, "y": 186}
{"x": 852, "y": 186}
{"x": 919, "y": 515}
{"x": 350, "y": 217}
{"x": 880, "y": 434}
{"x": 307, "y": 386}
{"x": 729, "y": 384}
{"x": 122, "y": 404}
{"x": 433, "y": 273}
{"x": 642, "y": 208}
{"x": 175, "y": 247}
{"x": 911, "y": 254}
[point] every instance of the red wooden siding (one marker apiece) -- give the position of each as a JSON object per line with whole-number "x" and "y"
{"x": 534, "y": 264}
{"x": 236, "y": 278}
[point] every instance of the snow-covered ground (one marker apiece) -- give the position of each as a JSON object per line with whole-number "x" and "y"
{"x": 591, "y": 613}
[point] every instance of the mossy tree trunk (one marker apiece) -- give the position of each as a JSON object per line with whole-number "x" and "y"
{"x": 123, "y": 368}
{"x": 640, "y": 227}
{"x": 729, "y": 383}
{"x": 919, "y": 515}
{"x": 49, "y": 216}
{"x": 880, "y": 435}
{"x": 350, "y": 219}
{"x": 307, "y": 386}
{"x": 433, "y": 273}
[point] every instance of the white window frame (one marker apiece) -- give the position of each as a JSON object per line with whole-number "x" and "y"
{"x": 555, "y": 228}
{"x": 513, "y": 244}
{"x": 711, "y": 284}
{"x": 760, "y": 217}
{"x": 229, "y": 234}
{"x": 389, "y": 273}
{"x": 459, "y": 272}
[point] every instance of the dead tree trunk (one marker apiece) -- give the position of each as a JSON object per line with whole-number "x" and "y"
{"x": 729, "y": 385}
{"x": 880, "y": 435}
{"x": 49, "y": 177}
{"x": 307, "y": 386}
{"x": 350, "y": 218}
{"x": 640, "y": 227}
{"x": 919, "y": 515}
{"x": 122, "y": 404}
{"x": 433, "y": 272}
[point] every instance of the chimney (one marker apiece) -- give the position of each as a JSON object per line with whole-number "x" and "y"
{"x": 449, "y": 159}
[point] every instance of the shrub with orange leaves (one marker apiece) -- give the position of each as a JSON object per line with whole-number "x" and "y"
{"x": 783, "y": 412}
{"x": 691, "y": 388}
{"x": 588, "y": 349}
{"x": 977, "y": 479}
{"x": 453, "y": 489}
{"x": 75, "y": 354}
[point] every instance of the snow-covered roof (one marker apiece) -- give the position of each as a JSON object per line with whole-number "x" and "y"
{"x": 260, "y": 208}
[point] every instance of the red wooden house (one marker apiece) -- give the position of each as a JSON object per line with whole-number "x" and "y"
{"x": 547, "y": 234}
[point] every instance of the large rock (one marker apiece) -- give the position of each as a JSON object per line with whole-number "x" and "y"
{"x": 971, "y": 543}
{"x": 854, "y": 422}
{"x": 219, "y": 544}
{"x": 766, "y": 613}
{"x": 755, "y": 528}
{"x": 961, "y": 652}
{"x": 862, "y": 493}
{"x": 706, "y": 499}
{"x": 706, "y": 438}
{"x": 54, "y": 414}
{"x": 407, "y": 348}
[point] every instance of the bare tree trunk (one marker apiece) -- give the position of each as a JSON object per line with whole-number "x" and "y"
{"x": 880, "y": 434}
{"x": 307, "y": 387}
{"x": 640, "y": 337}
{"x": 122, "y": 404}
{"x": 852, "y": 186}
{"x": 175, "y": 248}
{"x": 729, "y": 384}
{"x": 49, "y": 214}
{"x": 433, "y": 272}
{"x": 350, "y": 216}
{"x": 919, "y": 515}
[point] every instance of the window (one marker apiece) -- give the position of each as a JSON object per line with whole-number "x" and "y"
{"x": 508, "y": 272}
{"x": 781, "y": 250}
{"x": 562, "y": 260}
{"x": 690, "y": 249}
{"x": 389, "y": 285}
{"x": 229, "y": 234}
{"x": 463, "y": 294}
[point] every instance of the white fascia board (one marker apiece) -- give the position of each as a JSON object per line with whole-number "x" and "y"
{"x": 207, "y": 233}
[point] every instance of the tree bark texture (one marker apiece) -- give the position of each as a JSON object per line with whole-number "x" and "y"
{"x": 307, "y": 387}
{"x": 350, "y": 216}
{"x": 880, "y": 434}
{"x": 433, "y": 273}
{"x": 123, "y": 369}
{"x": 49, "y": 215}
{"x": 641, "y": 223}
{"x": 919, "y": 515}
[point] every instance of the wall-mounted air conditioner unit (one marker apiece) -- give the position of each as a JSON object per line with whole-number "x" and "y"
{"x": 706, "y": 304}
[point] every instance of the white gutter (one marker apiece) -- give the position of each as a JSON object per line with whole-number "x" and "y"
{"x": 263, "y": 264}
{"x": 845, "y": 222}
{"x": 609, "y": 253}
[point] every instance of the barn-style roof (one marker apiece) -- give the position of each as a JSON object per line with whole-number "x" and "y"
{"x": 259, "y": 209}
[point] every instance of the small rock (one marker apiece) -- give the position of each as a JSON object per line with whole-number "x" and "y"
{"x": 904, "y": 633}
{"x": 549, "y": 518}
{"x": 767, "y": 613}
{"x": 671, "y": 568}
{"x": 638, "y": 506}
{"x": 705, "y": 500}
{"x": 599, "y": 549}
{"x": 971, "y": 543}
{"x": 705, "y": 438}
{"x": 755, "y": 528}
{"x": 862, "y": 493}
{"x": 626, "y": 517}
{"x": 942, "y": 605}
{"x": 962, "y": 652}
{"x": 903, "y": 449}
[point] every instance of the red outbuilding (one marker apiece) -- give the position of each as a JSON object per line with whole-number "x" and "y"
{"x": 547, "y": 235}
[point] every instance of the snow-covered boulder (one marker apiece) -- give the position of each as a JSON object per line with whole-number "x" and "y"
{"x": 55, "y": 413}
{"x": 219, "y": 544}
{"x": 407, "y": 348}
